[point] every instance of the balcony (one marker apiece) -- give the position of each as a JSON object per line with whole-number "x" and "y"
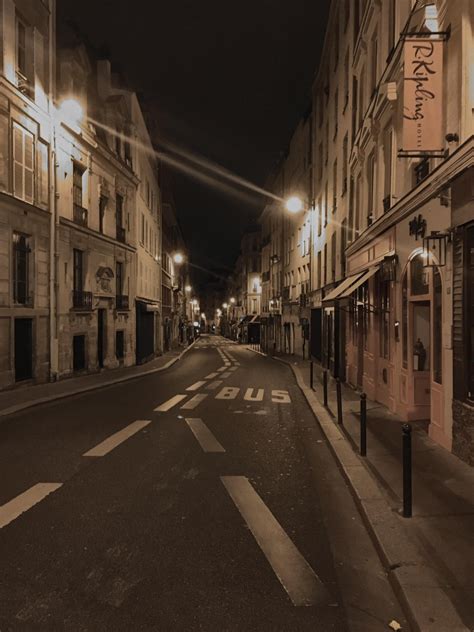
{"x": 121, "y": 302}
{"x": 285, "y": 295}
{"x": 80, "y": 215}
{"x": 82, "y": 300}
{"x": 120, "y": 234}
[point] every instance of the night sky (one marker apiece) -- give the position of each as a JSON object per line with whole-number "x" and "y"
{"x": 224, "y": 80}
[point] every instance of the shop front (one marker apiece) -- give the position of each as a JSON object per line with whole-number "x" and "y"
{"x": 399, "y": 349}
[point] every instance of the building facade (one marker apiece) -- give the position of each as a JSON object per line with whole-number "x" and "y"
{"x": 27, "y": 66}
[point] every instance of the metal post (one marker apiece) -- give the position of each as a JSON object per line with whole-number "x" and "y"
{"x": 311, "y": 373}
{"x": 407, "y": 483}
{"x": 339, "y": 401}
{"x": 325, "y": 388}
{"x": 363, "y": 424}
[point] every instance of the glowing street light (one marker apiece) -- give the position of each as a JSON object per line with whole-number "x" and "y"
{"x": 188, "y": 288}
{"x": 70, "y": 111}
{"x": 225, "y": 305}
{"x": 294, "y": 204}
{"x": 232, "y": 300}
{"x": 178, "y": 258}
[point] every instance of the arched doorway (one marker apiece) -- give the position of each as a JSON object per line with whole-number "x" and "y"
{"x": 421, "y": 336}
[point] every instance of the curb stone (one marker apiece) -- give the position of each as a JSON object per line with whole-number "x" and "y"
{"x": 92, "y": 387}
{"x": 426, "y": 604}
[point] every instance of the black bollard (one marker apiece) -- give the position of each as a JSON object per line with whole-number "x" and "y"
{"x": 339, "y": 401}
{"x": 311, "y": 371}
{"x": 325, "y": 388}
{"x": 363, "y": 424}
{"x": 407, "y": 484}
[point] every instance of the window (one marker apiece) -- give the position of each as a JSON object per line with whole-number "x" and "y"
{"x": 21, "y": 268}
{"x": 405, "y": 321}
{"x": 360, "y": 109}
{"x": 336, "y": 44}
{"x": 374, "y": 64}
{"x": 347, "y": 12}
{"x": 347, "y": 72}
{"x": 418, "y": 277}
{"x": 343, "y": 245}
{"x": 320, "y": 216}
{"x": 21, "y": 52}
{"x": 384, "y": 319}
{"x": 333, "y": 256}
{"x": 336, "y": 112}
{"x": 119, "y": 278}
{"x": 23, "y": 163}
{"x": 392, "y": 9}
{"x": 102, "y": 208}
{"x": 437, "y": 327}
{"x": 469, "y": 309}
{"x": 77, "y": 173}
{"x": 79, "y": 352}
{"x": 319, "y": 270}
{"x": 388, "y": 166}
{"x": 42, "y": 179}
{"x": 78, "y": 270}
{"x": 345, "y": 147}
{"x": 355, "y": 88}
{"x": 119, "y": 210}
{"x": 371, "y": 187}
{"x": 119, "y": 344}
{"x": 142, "y": 230}
{"x": 326, "y": 204}
{"x": 325, "y": 271}
{"x": 334, "y": 187}
{"x": 421, "y": 170}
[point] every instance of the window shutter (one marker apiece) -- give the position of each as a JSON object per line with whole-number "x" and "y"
{"x": 18, "y": 162}
{"x": 43, "y": 175}
{"x": 23, "y": 164}
{"x": 4, "y": 153}
{"x": 29, "y": 167}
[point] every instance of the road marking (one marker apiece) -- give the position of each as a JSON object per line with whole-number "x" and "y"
{"x": 254, "y": 398}
{"x": 229, "y": 392}
{"x": 206, "y": 439}
{"x": 233, "y": 368}
{"x": 222, "y": 368}
{"x": 226, "y": 374}
{"x": 196, "y": 385}
{"x": 281, "y": 397}
{"x": 162, "y": 408}
{"x": 213, "y": 385}
{"x": 21, "y": 503}
{"x": 211, "y": 376}
{"x": 194, "y": 401}
{"x": 295, "y": 574}
{"x": 117, "y": 438}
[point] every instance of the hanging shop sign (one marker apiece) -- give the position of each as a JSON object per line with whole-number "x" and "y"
{"x": 417, "y": 226}
{"x": 423, "y": 95}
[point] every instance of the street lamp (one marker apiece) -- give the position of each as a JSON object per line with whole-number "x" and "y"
{"x": 178, "y": 258}
{"x": 232, "y": 300}
{"x": 294, "y": 204}
{"x": 225, "y": 305}
{"x": 188, "y": 288}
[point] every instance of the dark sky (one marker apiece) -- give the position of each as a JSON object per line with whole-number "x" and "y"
{"x": 227, "y": 80}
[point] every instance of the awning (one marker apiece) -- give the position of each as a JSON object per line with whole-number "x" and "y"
{"x": 335, "y": 292}
{"x": 244, "y": 320}
{"x": 255, "y": 320}
{"x": 152, "y": 308}
{"x": 361, "y": 280}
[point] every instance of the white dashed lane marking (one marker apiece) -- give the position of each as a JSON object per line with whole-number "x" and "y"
{"x": 194, "y": 401}
{"x": 18, "y": 505}
{"x": 196, "y": 385}
{"x": 295, "y": 574}
{"x": 226, "y": 374}
{"x": 162, "y": 408}
{"x": 211, "y": 376}
{"x": 116, "y": 439}
{"x": 213, "y": 385}
{"x": 222, "y": 368}
{"x": 204, "y": 436}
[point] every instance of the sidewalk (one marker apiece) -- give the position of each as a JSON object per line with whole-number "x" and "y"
{"x": 18, "y": 399}
{"x": 442, "y": 526}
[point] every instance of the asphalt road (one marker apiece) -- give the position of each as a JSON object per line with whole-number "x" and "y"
{"x": 221, "y": 509}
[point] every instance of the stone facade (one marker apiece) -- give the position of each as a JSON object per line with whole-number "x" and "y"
{"x": 463, "y": 431}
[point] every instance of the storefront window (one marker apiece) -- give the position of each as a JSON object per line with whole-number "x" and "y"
{"x": 384, "y": 322}
{"x": 470, "y": 310}
{"x": 405, "y": 321}
{"x": 364, "y": 292}
{"x": 437, "y": 327}
{"x": 419, "y": 277}
{"x": 421, "y": 336}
